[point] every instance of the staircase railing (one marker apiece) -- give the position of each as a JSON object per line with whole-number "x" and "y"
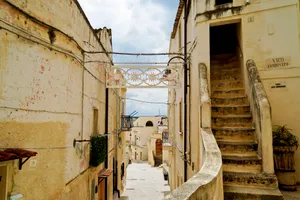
{"x": 261, "y": 111}
{"x": 205, "y": 103}
{"x": 208, "y": 182}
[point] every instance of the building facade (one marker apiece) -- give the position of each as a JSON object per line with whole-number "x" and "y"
{"x": 247, "y": 52}
{"x": 53, "y": 92}
{"x": 143, "y": 128}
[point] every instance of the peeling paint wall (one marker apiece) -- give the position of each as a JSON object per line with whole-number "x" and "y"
{"x": 48, "y": 94}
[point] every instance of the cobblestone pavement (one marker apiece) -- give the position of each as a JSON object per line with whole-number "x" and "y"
{"x": 292, "y": 195}
{"x": 145, "y": 183}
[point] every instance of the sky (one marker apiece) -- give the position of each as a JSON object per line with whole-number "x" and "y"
{"x": 137, "y": 26}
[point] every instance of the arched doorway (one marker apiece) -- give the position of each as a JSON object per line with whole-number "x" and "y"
{"x": 158, "y": 152}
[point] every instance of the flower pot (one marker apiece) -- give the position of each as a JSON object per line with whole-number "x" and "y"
{"x": 284, "y": 164}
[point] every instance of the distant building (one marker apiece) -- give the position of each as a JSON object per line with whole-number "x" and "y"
{"x": 143, "y": 130}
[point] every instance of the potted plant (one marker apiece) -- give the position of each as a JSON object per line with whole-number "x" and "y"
{"x": 284, "y": 146}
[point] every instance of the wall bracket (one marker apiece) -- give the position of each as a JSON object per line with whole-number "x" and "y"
{"x": 21, "y": 162}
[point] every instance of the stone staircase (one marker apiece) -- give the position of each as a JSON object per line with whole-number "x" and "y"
{"x": 234, "y": 131}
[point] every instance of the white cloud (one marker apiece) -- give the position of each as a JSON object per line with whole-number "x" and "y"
{"x": 138, "y": 23}
{"x": 137, "y": 26}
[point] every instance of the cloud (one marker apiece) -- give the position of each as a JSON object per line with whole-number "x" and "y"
{"x": 137, "y": 26}
{"x": 149, "y": 95}
{"x": 142, "y": 24}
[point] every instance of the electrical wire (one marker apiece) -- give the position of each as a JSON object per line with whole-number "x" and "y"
{"x": 150, "y": 102}
{"x": 38, "y": 148}
{"x": 133, "y": 63}
{"x": 134, "y": 54}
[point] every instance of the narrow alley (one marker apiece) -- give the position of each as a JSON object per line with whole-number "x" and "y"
{"x": 149, "y": 99}
{"x": 145, "y": 182}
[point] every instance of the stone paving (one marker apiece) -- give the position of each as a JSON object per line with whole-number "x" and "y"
{"x": 292, "y": 195}
{"x": 144, "y": 183}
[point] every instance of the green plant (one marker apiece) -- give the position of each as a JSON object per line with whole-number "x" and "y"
{"x": 283, "y": 136}
{"x": 98, "y": 150}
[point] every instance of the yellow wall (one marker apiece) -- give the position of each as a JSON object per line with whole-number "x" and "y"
{"x": 47, "y": 97}
{"x": 270, "y": 29}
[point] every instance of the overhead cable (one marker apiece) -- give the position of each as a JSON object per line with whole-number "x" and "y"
{"x": 150, "y": 102}
{"x": 134, "y": 54}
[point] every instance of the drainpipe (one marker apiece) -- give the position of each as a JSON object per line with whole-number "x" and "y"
{"x": 106, "y": 132}
{"x": 117, "y": 142}
{"x": 185, "y": 88}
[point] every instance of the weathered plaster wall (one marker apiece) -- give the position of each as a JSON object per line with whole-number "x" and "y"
{"x": 47, "y": 96}
{"x": 270, "y": 29}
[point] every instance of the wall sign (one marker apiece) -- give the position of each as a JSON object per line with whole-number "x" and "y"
{"x": 278, "y": 86}
{"x": 279, "y": 62}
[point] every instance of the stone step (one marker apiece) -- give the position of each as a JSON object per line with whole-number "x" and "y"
{"x": 227, "y": 91}
{"x": 234, "y": 135}
{"x": 246, "y": 193}
{"x": 230, "y": 101}
{"x": 223, "y": 56}
{"x": 230, "y": 110}
{"x": 219, "y": 70}
{"x": 231, "y": 120}
{"x": 259, "y": 180}
{"x": 224, "y": 64}
{"x": 226, "y": 77}
{"x": 242, "y": 163}
{"x": 227, "y": 85}
{"x": 234, "y": 148}
{"x": 228, "y": 96}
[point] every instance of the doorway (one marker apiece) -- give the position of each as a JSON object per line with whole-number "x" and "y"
{"x": 226, "y": 52}
{"x": 3, "y": 182}
{"x": 223, "y": 39}
{"x": 158, "y": 145}
{"x": 102, "y": 188}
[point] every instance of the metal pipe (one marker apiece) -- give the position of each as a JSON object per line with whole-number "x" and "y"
{"x": 106, "y": 132}
{"x": 185, "y": 88}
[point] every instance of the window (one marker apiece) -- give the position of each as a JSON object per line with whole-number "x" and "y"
{"x": 165, "y": 136}
{"x": 180, "y": 116}
{"x": 220, "y": 2}
{"x": 95, "y": 122}
{"x": 149, "y": 123}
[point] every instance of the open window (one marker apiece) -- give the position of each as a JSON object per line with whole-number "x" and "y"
{"x": 149, "y": 123}
{"x": 220, "y": 2}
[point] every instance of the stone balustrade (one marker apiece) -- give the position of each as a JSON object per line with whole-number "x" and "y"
{"x": 208, "y": 182}
{"x": 261, "y": 110}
